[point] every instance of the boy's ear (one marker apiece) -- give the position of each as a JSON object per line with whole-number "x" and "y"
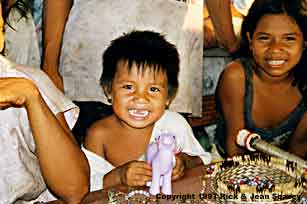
{"x": 168, "y": 102}
{"x": 107, "y": 92}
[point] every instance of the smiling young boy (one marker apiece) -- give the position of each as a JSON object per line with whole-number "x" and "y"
{"x": 140, "y": 71}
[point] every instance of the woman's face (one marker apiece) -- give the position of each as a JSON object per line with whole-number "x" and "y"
{"x": 277, "y": 45}
{"x": 1, "y": 30}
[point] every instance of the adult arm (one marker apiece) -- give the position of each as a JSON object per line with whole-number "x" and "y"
{"x": 63, "y": 165}
{"x": 55, "y": 15}
{"x": 230, "y": 93}
{"x": 298, "y": 143}
{"x": 220, "y": 13}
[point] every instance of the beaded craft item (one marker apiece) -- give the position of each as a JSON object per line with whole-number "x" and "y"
{"x": 257, "y": 178}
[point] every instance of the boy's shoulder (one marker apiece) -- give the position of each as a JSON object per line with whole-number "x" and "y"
{"x": 100, "y": 129}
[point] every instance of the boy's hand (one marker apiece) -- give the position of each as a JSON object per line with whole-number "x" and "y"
{"x": 178, "y": 170}
{"x": 16, "y": 92}
{"x": 135, "y": 173}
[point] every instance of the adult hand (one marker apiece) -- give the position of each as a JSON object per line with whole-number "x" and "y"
{"x": 16, "y": 92}
{"x": 55, "y": 78}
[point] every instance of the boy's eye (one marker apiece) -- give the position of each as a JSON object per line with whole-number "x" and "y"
{"x": 128, "y": 86}
{"x": 154, "y": 89}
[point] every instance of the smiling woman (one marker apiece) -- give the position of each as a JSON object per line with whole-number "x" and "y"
{"x": 264, "y": 91}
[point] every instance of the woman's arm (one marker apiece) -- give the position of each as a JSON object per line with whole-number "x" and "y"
{"x": 220, "y": 13}
{"x": 55, "y": 15}
{"x": 230, "y": 93}
{"x": 298, "y": 143}
{"x": 63, "y": 165}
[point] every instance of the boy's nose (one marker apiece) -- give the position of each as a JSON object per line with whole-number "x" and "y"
{"x": 141, "y": 97}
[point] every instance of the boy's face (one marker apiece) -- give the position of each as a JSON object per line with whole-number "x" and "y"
{"x": 139, "y": 97}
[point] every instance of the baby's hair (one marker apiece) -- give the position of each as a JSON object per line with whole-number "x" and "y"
{"x": 146, "y": 50}
{"x": 297, "y": 10}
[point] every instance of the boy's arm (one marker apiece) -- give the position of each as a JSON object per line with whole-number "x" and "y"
{"x": 94, "y": 142}
{"x": 64, "y": 167}
{"x": 230, "y": 93}
{"x": 190, "y": 161}
{"x": 298, "y": 143}
{"x": 220, "y": 13}
{"x": 132, "y": 173}
{"x": 55, "y": 15}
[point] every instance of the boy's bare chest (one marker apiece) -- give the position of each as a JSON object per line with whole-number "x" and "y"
{"x": 124, "y": 150}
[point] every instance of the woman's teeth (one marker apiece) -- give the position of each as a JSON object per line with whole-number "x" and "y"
{"x": 276, "y": 62}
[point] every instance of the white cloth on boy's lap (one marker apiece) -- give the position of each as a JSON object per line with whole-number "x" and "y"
{"x": 171, "y": 122}
{"x": 20, "y": 176}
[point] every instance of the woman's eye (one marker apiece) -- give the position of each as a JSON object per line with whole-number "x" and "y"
{"x": 263, "y": 38}
{"x": 290, "y": 39}
{"x": 154, "y": 89}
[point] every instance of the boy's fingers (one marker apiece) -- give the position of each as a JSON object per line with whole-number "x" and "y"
{"x": 143, "y": 171}
{"x": 139, "y": 180}
{"x": 144, "y": 165}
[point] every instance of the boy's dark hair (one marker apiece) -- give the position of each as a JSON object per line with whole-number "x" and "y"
{"x": 297, "y": 10}
{"x": 145, "y": 49}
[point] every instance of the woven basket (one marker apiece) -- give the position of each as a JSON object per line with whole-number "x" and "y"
{"x": 248, "y": 167}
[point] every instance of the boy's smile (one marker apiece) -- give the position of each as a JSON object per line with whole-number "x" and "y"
{"x": 138, "y": 114}
{"x": 139, "y": 95}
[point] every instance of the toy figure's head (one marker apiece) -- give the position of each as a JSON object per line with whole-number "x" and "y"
{"x": 166, "y": 140}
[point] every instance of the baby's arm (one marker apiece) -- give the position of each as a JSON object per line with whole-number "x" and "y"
{"x": 230, "y": 93}
{"x": 63, "y": 165}
{"x": 298, "y": 143}
{"x": 132, "y": 173}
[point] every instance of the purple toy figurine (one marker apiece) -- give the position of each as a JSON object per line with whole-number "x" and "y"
{"x": 161, "y": 156}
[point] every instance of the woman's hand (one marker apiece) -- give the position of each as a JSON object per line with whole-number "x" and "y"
{"x": 16, "y": 92}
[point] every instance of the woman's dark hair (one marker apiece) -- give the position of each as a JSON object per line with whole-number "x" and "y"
{"x": 145, "y": 49}
{"x": 297, "y": 10}
{"x": 22, "y": 6}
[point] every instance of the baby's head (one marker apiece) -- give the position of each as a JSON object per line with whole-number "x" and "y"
{"x": 140, "y": 76}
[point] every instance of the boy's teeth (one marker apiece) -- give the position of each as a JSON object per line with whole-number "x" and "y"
{"x": 276, "y": 62}
{"x": 138, "y": 113}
